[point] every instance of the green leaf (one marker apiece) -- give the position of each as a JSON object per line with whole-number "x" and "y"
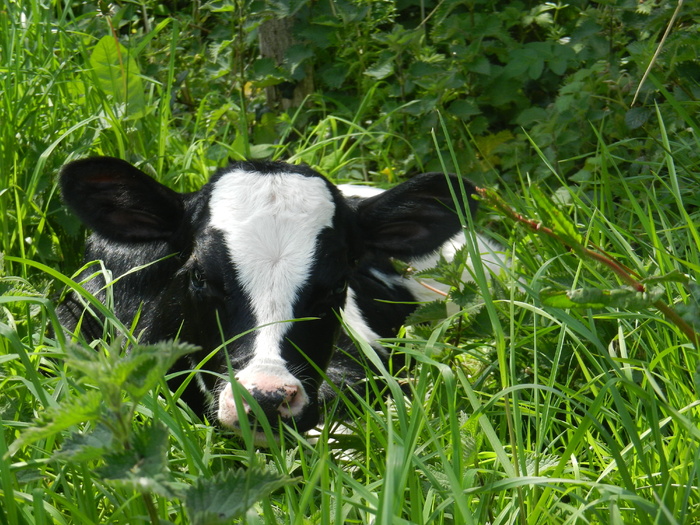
{"x": 381, "y": 70}
{"x": 73, "y": 411}
{"x": 517, "y": 66}
{"x": 427, "y": 313}
{"x": 463, "y": 109}
{"x": 625, "y": 298}
{"x": 143, "y": 466}
{"x": 265, "y": 73}
{"x": 534, "y": 71}
{"x": 424, "y": 69}
{"x": 447, "y": 272}
{"x": 295, "y": 57}
{"x": 555, "y": 219}
{"x": 335, "y": 76}
{"x": 690, "y": 311}
{"x": 118, "y": 75}
{"x": 136, "y": 372}
{"x": 531, "y": 116}
{"x": 262, "y": 151}
{"x": 146, "y": 365}
{"x": 467, "y": 296}
{"x": 87, "y": 447}
{"x": 675, "y": 276}
{"x": 480, "y": 65}
{"x": 229, "y": 494}
{"x": 558, "y": 65}
{"x": 636, "y": 117}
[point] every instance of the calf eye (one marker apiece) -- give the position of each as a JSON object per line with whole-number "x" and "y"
{"x": 197, "y": 279}
{"x": 324, "y": 299}
{"x": 340, "y": 288}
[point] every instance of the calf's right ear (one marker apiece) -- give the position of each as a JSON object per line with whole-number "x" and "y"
{"x": 119, "y": 201}
{"x": 415, "y": 218}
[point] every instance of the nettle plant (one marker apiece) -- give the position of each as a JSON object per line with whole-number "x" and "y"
{"x": 499, "y": 75}
{"x": 490, "y": 70}
{"x": 98, "y": 426}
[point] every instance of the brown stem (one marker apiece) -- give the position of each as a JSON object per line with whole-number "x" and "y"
{"x": 618, "y": 269}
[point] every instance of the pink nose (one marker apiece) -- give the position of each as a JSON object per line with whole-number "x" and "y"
{"x": 277, "y": 397}
{"x": 274, "y": 398}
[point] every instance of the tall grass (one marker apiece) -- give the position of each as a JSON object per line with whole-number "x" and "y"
{"x": 518, "y": 412}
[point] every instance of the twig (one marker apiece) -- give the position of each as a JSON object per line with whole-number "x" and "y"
{"x": 582, "y": 251}
{"x": 432, "y": 288}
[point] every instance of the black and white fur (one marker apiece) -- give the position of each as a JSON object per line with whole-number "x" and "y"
{"x": 261, "y": 244}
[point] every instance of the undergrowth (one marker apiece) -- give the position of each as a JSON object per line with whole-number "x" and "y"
{"x": 563, "y": 390}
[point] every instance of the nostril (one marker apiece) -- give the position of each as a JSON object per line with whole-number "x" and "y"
{"x": 277, "y": 395}
{"x": 295, "y": 402}
{"x": 275, "y": 402}
{"x": 290, "y": 392}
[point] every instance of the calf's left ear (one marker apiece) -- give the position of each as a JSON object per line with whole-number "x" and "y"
{"x": 119, "y": 201}
{"x": 416, "y": 217}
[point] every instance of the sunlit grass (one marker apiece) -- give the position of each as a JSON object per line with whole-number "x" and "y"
{"x": 518, "y": 412}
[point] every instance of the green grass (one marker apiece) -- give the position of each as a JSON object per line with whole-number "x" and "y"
{"x": 521, "y": 412}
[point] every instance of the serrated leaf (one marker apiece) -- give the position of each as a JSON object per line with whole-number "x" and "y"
{"x": 265, "y": 73}
{"x": 538, "y": 464}
{"x": 555, "y": 219}
{"x": 636, "y": 117}
{"x": 440, "y": 477}
{"x": 623, "y": 298}
{"x": 295, "y": 57}
{"x": 531, "y": 115}
{"x": 558, "y": 65}
{"x": 516, "y": 66}
{"x": 427, "y": 313}
{"x": 463, "y": 109}
{"x": 335, "y": 76}
{"x": 675, "y": 276}
{"x": 229, "y": 494}
{"x": 136, "y": 372}
{"x": 381, "y": 70}
{"x": 83, "y": 358}
{"x": 480, "y": 65}
{"x": 447, "y": 272}
{"x": 73, "y": 411}
{"x": 262, "y": 151}
{"x": 87, "y": 447}
{"x": 160, "y": 484}
{"x": 143, "y": 466}
{"x": 466, "y": 296}
{"x": 149, "y": 363}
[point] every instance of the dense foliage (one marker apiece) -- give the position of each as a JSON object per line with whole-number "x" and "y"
{"x": 565, "y": 391}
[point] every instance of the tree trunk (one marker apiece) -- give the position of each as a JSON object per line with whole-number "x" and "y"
{"x": 275, "y": 39}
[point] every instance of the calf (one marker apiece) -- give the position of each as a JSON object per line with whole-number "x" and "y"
{"x": 261, "y": 244}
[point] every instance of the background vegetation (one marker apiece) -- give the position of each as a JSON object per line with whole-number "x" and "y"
{"x": 566, "y": 392}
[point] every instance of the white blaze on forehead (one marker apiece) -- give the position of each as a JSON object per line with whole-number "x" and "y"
{"x": 270, "y": 224}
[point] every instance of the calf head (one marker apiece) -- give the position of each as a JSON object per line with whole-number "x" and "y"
{"x": 258, "y": 246}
